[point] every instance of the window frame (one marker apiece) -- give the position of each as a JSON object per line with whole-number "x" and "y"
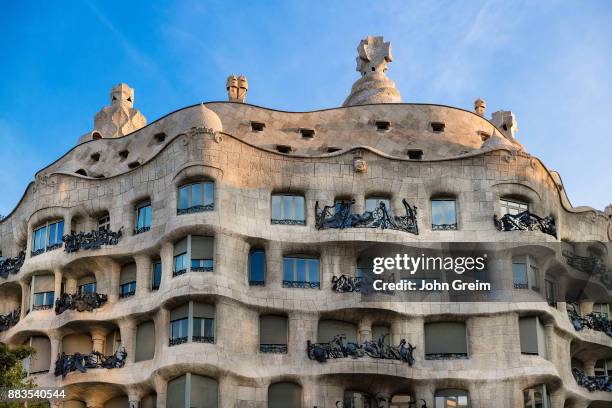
{"x": 303, "y": 284}
{"x": 143, "y": 206}
{"x": 190, "y": 336}
{"x": 531, "y": 390}
{"x": 46, "y": 304}
{"x": 196, "y": 208}
{"x": 131, "y": 289}
{"x": 37, "y": 249}
{"x": 444, "y": 226}
{"x": 262, "y": 281}
{"x": 154, "y": 275}
{"x": 283, "y": 219}
{"x": 104, "y": 222}
{"x": 441, "y": 396}
{"x": 512, "y": 206}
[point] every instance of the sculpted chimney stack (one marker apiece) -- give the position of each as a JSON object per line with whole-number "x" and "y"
{"x": 237, "y": 88}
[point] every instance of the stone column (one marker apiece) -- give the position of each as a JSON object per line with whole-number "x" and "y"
{"x": 71, "y": 285}
{"x": 424, "y": 392}
{"x": 586, "y": 307}
{"x": 144, "y": 268}
{"x": 98, "y": 336}
{"x": 133, "y": 398}
{"x": 274, "y": 265}
{"x": 228, "y": 392}
{"x": 127, "y": 329}
{"x": 589, "y": 367}
{"x": 58, "y": 282}
{"x": 25, "y": 297}
{"x": 167, "y": 261}
{"x": 162, "y": 331}
{"x": 114, "y": 282}
{"x": 365, "y": 330}
{"x": 55, "y": 339}
{"x": 161, "y": 386}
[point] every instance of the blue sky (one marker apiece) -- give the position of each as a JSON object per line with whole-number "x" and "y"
{"x": 548, "y": 61}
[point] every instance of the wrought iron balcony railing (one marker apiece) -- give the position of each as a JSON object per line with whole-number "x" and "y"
{"x": 203, "y": 339}
{"x": 195, "y": 209}
{"x": 288, "y": 222}
{"x": 95, "y": 239}
{"x": 301, "y": 284}
{"x": 321, "y": 352}
{"x": 519, "y": 285}
{"x": 179, "y": 272}
{"x": 128, "y": 294}
{"x": 177, "y": 340}
{"x": 67, "y": 363}
{"x": 526, "y": 221}
{"x": 592, "y": 265}
{"x": 594, "y": 321}
{"x": 443, "y": 227}
{"x": 257, "y": 283}
{"x": 42, "y": 307}
{"x": 273, "y": 348}
{"x": 11, "y": 265}
{"x": 10, "y": 319}
{"x": 79, "y": 302}
{"x": 340, "y": 216}
{"x": 446, "y": 356}
{"x": 47, "y": 249}
{"x": 141, "y": 230}
{"x": 202, "y": 269}
{"x": 593, "y": 382}
{"x": 346, "y": 283}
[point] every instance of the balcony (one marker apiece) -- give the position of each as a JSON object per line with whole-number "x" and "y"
{"x": 42, "y": 307}
{"x": 322, "y": 352}
{"x": 444, "y": 227}
{"x": 67, "y": 363}
{"x": 592, "y": 265}
{"x": 39, "y": 251}
{"x": 10, "y": 319}
{"x": 195, "y": 209}
{"x": 301, "y": 284}
{"x": 90, "y": 240}
{"x": 177, "y": 340}
{"x": 84, "y": 302}
{"x": 593, "y": 382}
{"x": 526, "y": 221}
{"x": 273, "y": 348}
{"x": 11, "y": 265}
{"x": 346, "y": 284}
{"x": 340, "y": 216}
{"x": 141, "y": 230}
{"x": 203, "y": 339}
{"x": 593, "y": 321}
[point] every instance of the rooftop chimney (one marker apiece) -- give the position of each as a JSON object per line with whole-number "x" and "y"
{"x": 236, "y": 88}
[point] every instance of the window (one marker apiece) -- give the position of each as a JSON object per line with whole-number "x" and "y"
{"x": 288, "y": 209}
{"x": 438, "y": 126}
{"x": 273, "y": 334}
{"x": 443, "y": 214}
{"x": 157, "y": 272}
{"x": 300, "y": 272}
{"x": 333, "y": 149}
{"x": 43, "y": 300}
{"x": 159, "y": 137}
{"x": 86, "y": 288}
{"x": 196, "y": 197}
{"x": 201, "y": 253}
{"x": 550, "y": 289}
{"x": 192, "y": 391}
{"x": 511, "y": 206}
{"x": 127, "y": 280}
{"x": 284, "y": 395}
{"x": 38, "y": 362}
{"x": 104, "y": 223}
{"x": 452, "y": 399}
{"x": 383, "y": 125}
{"x": 127, "y": 289}
{"x": 374, "y": 203}
{"x": 286, "y": 149}
{"x": 307, "y": 133}
{"x": 328, "y": 329}
{"x": 257, "y": 267}
{"x": 133, "y": 165}
{"x": 47, "y": 237}
{"x": 445, "y": 340}
{"x": 143, "y": 217}
{"x": 524, "y": 270}
{"x": 402, "y": 401}
{"x": 145, "y": 341}
{"x": 180, "y": 264}
{"x": 532, "y": 336}
{"x": 536, "y": 397}
{"x": 257, "y": 126}
{"x": 415, "y": 154}
{"x": 603, "y": 367}
{"x": 199, "y": 316}
{"x": 601, "y": 309}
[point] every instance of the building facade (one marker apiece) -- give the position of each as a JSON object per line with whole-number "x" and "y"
{"x": 217, "y": 258}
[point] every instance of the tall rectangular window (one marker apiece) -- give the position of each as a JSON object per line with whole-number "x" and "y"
{"x": 257, "y": 267}
{"x": 104, "y": 223}
{"x": 512, "y": 207}
{"x": 157, "y": 273}
{"x": 203, "y": 329}
{"x": 443, "y": 214}
{"x": 301, "y": 272}
{"x": 288, "y": 209}
{"x": 519, "y": 273}
{"x": 40, "y": 240}
{"x": 531, "y": 334}
{"x": 143, "y": 217}
{"x": 180, "y": 264}
{"x": 601, "y": 309}
{"x": 47, "y": 237}
{"x": 179, "y": 329}
{"x": 551, "y": 292}
{"x": 196, "y": 197}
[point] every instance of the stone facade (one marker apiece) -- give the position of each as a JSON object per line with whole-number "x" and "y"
{"x": 353, "y": 152}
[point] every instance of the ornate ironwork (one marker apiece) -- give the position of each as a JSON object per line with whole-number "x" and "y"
{"x": 273, "y": 348}
{"x": 288, "y": 222}
{"x": 322, "y": 352}
{"x": 526, "y": 221}
{"x": 203, "y": 339}
{"x": 346, "y": 283}
{"x": 590, "y": 264}
{"x": 127, "y": 294}
{"x": 141, "y": 230}
{"x": 257, "y": 283}
{"x": 178, "y": 340}
{"x": 593, "y": 382}
{"x": 79, "y": 302}
{"x": 67, "y": 363}
{"x": 521, "y": 285}
{"x": 10, "y": 319}
{"x": 594, "y": 321}
{"x": 195, "y": 209}
{"x": 11, "y": 265}
{"x": 446, "y": 356}
{"x": 443, "y": 227}
{"x": 301, "y": 284}
{"x": 179, "y": 272}
{"x": 42, "y": 307}
{"x": 95, "y": 239}
{"x": 341, "y": 216}
{"x": 382, "y": 401}
{"x": 202, "y": 269}
{"x": 38, "y": 252}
